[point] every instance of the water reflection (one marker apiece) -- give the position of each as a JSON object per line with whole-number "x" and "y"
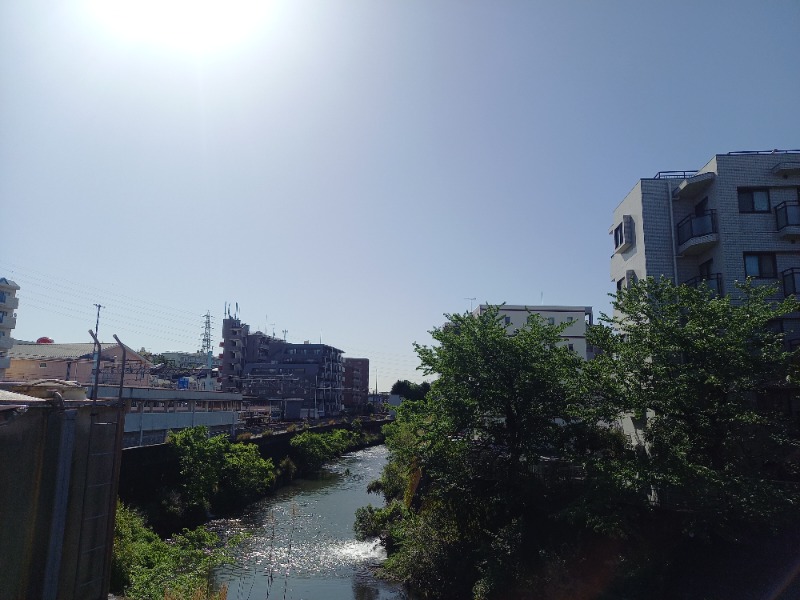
{"x": 301, "y": 542}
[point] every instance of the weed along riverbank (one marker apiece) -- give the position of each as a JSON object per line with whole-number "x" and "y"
{"x": 167, "y": 542}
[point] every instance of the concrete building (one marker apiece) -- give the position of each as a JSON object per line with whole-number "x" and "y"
{"x": 736, "y": 217}
{"x": 356, "y": 382}
{"x": 73, "y": 362}
{"x": 8, "y": 320}
{"x": 574, "y": 335}
{"x": 189, "y": 360}
{"x": 270, "y": 369}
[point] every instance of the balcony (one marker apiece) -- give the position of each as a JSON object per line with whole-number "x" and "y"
{"x": 791, "y": 281}
{"x": 787, "y": 220}
{"x": 8, "y": 302}
{"x": 6, "y": 342}
{"x": 8, "y": 322}
{"x": 713, "y": 282}
{"x": 5, "y": 362}
{"x": 697, "y": 233}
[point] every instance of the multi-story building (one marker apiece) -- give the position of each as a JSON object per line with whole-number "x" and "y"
{"x": 736, "y": 217}
{"x": 269, "y": 368}
{"x": 8, "y": 320}
{"x": 356, "y": 382}
{"x": 578, "y": 318}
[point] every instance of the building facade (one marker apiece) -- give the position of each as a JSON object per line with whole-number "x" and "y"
{"x": 271, "y": 369}
{"x": 8, "y": 320}
{"x": 578, "y": 318}
{"x": 736, "y": 217}
{"x": 356, "y": 383}
{"x": 74, "y": 362}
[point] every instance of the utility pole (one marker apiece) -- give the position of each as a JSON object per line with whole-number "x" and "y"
{"x": 96, "y": 369}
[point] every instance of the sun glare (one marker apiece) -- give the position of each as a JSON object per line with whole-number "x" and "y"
{"x": 196, "y": 26}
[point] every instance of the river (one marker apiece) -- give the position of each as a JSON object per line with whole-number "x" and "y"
{"x": 300, "y": 542}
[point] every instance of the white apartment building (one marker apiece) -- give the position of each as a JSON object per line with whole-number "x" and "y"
{"x": 736, "y": 217}
{"x": 8, "y": 320}
{"x": 574, "y": 335}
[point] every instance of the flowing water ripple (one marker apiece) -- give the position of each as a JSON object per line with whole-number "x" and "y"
{"x": 300, "y": 542}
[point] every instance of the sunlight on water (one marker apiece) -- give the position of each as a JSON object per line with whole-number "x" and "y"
{"x": 301, "y": 540}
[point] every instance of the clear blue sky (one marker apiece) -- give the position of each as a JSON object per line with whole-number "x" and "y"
{"x": 354, "y": 170}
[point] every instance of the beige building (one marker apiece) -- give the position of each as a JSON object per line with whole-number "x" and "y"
{"x": 8, "y": 320}
{"x": 73, "y": 362}
{"x": 578, "y": 318}
{"x": 738, "y": 216}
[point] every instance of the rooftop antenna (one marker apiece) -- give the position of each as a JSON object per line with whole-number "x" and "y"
{"x": 285, "y": 331}
{"x": 541, "y": 298}
{"x": 471, "y": 300}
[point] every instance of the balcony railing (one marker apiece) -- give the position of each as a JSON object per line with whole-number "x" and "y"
{"x": 713, "y": 282}
{"x": 787, "y": 214}
{"x": 791, "y": 281}
{"x": 697, "y": 226}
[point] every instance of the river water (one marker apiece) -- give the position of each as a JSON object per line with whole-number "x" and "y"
{"x": 301, "y": 544}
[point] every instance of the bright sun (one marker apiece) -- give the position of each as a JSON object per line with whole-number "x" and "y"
{"x": 191, "y": 26}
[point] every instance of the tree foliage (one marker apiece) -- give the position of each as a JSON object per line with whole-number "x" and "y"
{"x": 698, "y": 376}
{"x": 145, "y": 567}
{"x": 460, "y": 484}
{"x": 410, "y": 390}
{"x": 216, "y": 472}
{"x": 522, "y": 455}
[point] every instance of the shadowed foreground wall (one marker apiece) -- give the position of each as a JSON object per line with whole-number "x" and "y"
{"x": 59, "y": 468}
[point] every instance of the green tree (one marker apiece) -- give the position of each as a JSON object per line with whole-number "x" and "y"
{"x": 698, "y": 375}
{"x": 410, "y": 390}
{"x": 461, "y": 489}
{"x": 215, "y": 471}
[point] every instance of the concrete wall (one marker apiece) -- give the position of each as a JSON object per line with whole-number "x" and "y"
{"x": 58, "y": 485}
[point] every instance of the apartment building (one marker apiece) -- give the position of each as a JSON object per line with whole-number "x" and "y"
{"x": 736, "y": 217}
{"x": 356, "y": 382}
{"x": 8, "y": 320}
{"x": 269, "y": 369}
{"x": 578, "y": 318}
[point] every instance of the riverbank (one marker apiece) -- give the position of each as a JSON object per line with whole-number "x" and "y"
{"x": 212, "y": 474}
{"x": 154, "y": 480}
{"x": 300, "y": 540}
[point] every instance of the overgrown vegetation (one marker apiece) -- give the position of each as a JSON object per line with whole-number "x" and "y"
{"x": 216, "y": 473}
{"x": 145, "y": 567}
{"x": 312, "y": 450}
{"x": 512, "y": 477}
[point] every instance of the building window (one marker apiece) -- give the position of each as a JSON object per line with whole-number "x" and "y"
{"x": 2, "y": 297}
{"x": 760, "y": 264}
{"x": 620, "y": 284}
{"x": 507, "y": 320}
{"x": 551, "y": 321}
{"x": 754, "y": 201}
{"x": 43, "y": 365}
{"x": 624, "y": 234}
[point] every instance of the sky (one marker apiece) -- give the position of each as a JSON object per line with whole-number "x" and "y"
{"x": 352, "y": 171}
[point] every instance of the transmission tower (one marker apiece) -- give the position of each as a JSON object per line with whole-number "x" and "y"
{"x": 207, "y": 339}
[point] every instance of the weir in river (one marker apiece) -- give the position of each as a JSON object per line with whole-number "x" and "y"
{"x": 301, "y": 544}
